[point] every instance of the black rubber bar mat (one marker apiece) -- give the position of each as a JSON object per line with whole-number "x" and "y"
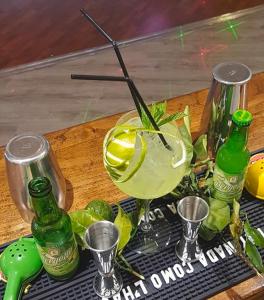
{"x": 166, "y": 277}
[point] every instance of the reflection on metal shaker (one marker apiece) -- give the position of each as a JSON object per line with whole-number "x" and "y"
{"x": 28, "y": 156}
{"x": 227, "y": 94}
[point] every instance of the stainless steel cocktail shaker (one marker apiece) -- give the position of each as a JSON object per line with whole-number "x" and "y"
{"x": 28, "y": 156}
{"x": 227, "y": 94}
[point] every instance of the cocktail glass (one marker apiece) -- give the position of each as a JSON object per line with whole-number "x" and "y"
{"x": 141, "y": 166}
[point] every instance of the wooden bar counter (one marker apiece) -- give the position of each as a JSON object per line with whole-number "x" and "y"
{"x": 79, "y": 153}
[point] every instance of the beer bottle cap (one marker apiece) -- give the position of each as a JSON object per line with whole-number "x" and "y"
{"x": 242, "y": 117}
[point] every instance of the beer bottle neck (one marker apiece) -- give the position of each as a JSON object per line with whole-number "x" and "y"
{"x": 46, "y": 209}
{"x": 238, "y": 137}
{"x": 43, "y": 201}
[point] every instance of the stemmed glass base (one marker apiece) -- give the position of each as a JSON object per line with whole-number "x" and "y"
{"x": 152, "y": 241}
{"x": 151, "y": 236}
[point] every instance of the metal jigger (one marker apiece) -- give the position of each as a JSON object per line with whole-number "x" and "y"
{"x": 102, "y": 239}
{"x": 192, "y": 210}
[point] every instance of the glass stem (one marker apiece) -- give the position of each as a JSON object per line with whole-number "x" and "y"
{"x": 145, "y": 225}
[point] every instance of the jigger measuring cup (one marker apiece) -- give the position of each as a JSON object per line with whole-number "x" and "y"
{"x": 28, "y": 156}
{"x": 102, "y": 239}
{"x": 192, "y": 211}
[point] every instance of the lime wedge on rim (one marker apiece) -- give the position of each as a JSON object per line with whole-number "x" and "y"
{"x": 120, "y": 152}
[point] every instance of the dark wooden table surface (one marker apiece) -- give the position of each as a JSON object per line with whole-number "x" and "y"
{"x": 79, "y": 153}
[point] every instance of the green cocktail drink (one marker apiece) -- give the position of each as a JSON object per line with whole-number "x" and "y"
{"x": 142, "y": 167}
{"x": 161, "y": 169}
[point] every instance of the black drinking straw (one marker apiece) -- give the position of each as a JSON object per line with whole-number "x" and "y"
{"x": 118, "y": 54}
{"x": 130, "y": 84}
{"x": 98, "y": 77}
{"x": 138, "y": 100}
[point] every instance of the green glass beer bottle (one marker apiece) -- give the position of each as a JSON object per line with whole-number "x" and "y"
{"x": 52, "y": 231}
{"x": 232, "y": 160}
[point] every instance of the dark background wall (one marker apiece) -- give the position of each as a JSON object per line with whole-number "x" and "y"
{"x": 31, "y": 30}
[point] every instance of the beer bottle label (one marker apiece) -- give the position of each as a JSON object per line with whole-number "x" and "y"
{"x": 227, "y": 187}
{"x": 59, "y": 259}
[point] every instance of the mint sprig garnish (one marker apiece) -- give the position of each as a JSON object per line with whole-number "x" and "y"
{"x": 158, "y": 112}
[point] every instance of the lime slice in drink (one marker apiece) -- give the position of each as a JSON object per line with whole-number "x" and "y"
{"x": 121, "y": 149}
{"x": 120, "y": 156}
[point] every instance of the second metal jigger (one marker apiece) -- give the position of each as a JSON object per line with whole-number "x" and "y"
{"x": 192, "y": 210}
{"x": 102, "y": 239}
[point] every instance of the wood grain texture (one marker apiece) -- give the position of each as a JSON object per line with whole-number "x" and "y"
{"x": 34, "y": 30}
{"x": 79, "y": 153}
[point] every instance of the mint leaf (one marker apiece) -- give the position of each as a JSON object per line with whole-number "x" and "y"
{"x": 170, "y": 118}
{"x": 81, "y": 220}
{"x": 185, "y": 132}
{"x": 187, "y": 120}
{"x": 124, "y": 225}
{"x": 200, "y": 147}
{"x": 158, "y": 110}
{"x": 145, "y": 120}
{"x": 254, "y": 256}
{"x": 254, "y": 235}
{"x": 188, "y": 145}
{"x": 236, "y": 224}
{"x": 136, "y": 215}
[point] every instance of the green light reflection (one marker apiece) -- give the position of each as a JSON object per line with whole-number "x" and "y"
{"x": 231, "y": 26}
{"x": 180, "y": 34}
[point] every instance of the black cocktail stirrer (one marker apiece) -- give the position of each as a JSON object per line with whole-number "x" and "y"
{"x": 138, "y": 100}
